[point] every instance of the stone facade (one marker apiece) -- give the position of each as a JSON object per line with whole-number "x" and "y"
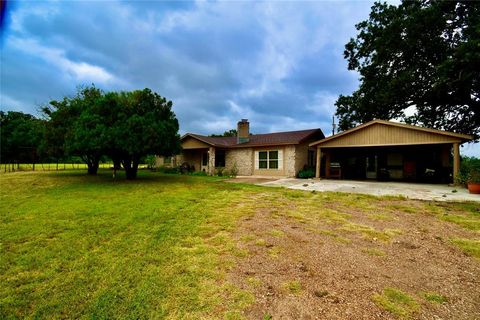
{"x": 301, "y": 156}
{"x": 242, "y": 159}
{"x": 294, "y": 158}
{"x": 211, "y": 161}
{"x": 289, "y": 159}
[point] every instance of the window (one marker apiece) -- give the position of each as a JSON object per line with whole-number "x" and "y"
{"x": 273, "y": 159}
{"x": 269, "y": 159}
{"x": 167, "y": 160}
{"x": 220, "y": 158}
{"x": 263, "y": 160}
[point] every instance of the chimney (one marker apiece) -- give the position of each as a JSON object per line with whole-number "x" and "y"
{"x": 243, "y": 131}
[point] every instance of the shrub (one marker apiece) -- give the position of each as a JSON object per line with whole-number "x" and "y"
{"x": 234, "y": 171}
{"x": 169, "y": 170}
{"x": 220, "y": 172}
{"x": 199, "y": 173}
{"x": 150, "y": 160}
{"x": 469, "y": 171}
{"x": 186, "y": 168}
{"x": 306, "y": 173}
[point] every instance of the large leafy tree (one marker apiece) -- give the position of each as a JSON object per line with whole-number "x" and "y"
{"x": 422, "y": 56}
{"x": 140, "y": 123}
{"x": 20, "y": 134}
{"x": 126, "y": 126}
{"x": 76, "y": 128}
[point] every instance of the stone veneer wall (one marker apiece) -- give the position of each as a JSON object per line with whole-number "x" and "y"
{"x": 289, "y": 159}
{"x": 301, "y": 156}
{"x": 242, "y": 159}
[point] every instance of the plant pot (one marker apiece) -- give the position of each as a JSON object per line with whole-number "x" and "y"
{"x": 474, "y": 187}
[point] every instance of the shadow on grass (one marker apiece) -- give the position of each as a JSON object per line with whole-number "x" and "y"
{"x": 105, "y": 176}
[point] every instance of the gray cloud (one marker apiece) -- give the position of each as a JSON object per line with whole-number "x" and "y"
{"x": 280, "y": 64}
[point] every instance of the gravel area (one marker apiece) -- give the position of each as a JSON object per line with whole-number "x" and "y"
{"x": 300, "y": 267}
{"x": 409, "y": 190}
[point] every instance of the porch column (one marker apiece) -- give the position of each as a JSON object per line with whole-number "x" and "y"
{"x": 327, "y": 162}
{"x": 456, "y": 160}
{"x": 319, "y": 162}
{"x": 211, "y": 161}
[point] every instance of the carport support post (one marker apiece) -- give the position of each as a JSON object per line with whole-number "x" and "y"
{"x": 456, "y": 161}
{"x": 211, "y": 161}
{"x": 319, "y": 163}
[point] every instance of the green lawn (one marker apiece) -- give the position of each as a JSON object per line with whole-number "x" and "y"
{"x": 77, "y": 246}
{"x": 74, "y": 246}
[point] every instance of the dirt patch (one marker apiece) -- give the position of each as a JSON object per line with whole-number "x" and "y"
{"x": 328, "y": 261}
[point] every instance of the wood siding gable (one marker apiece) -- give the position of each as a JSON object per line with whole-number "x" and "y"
{"x": 384, "y": 134}
{"x": 192, "y": 143}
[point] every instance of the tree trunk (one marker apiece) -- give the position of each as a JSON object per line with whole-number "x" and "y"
{"x": 117, "y": 164}
{"x": 92, "y": 164}
{"x": 92, "y": 168}
{"x": 131, "y": 168}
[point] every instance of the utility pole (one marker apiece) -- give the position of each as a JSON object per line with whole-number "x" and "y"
{"x": 333, "y": 125}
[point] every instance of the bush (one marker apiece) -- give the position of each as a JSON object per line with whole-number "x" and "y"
{"x": 199, "y": 173}
{"x": 306, "y": 173}
{"x": 186, "y": 168}
{"x": 169, "y": 170}
{"x": 469, "y": 170}
{"x": 220, "y": 172}
{"x": 232, "y": 172}
{"x": 150, "y": 160}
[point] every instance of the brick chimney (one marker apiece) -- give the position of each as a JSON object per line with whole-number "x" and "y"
{"x": 243, "y": 131}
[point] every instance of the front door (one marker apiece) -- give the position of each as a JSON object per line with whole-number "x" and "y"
{"x": 371, "y": 167}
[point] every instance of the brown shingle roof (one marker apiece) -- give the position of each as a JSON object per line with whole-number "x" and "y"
{"x": 258, "y": 140}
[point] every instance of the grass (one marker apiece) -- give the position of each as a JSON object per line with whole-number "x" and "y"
{"x": 254, "y": 282}
{"x": 79, "y": 246}
{"x": 470, "y": 247}
{"x": 397, "y": 302}
{"x": 374, "y": 252}
{"x": 380, "y": 217}
{"x": 466, "y": 215}
{"x": 434, "y": 297}
{"x": 293, "y": 287}
{"x": 74, "y": 246}
{"x": 277, "y": 233}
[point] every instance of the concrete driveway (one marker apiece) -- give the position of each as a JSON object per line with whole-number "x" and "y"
{"x": 410, "y": 190}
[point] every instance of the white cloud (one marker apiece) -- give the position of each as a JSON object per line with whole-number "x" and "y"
{"x": 80, "y": 71}
{"x": 323, "y": 104}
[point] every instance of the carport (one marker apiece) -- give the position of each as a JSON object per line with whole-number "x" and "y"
{"x": 390, "y": 151}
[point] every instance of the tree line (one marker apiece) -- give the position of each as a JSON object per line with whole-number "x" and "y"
{"x": 123, "y": 126}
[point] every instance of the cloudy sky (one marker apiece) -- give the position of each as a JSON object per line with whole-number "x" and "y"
{"x": 279, "y": 64}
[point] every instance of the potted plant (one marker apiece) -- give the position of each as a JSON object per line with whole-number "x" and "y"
{"x": 473, "y": 181}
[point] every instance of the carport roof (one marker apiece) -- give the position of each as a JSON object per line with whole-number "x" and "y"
{"x": 382, "y": 133}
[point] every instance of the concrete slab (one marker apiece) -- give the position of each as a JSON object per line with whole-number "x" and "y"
{"x": 409, "y": 190}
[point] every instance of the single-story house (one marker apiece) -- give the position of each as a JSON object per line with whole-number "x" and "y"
{"x": 378, "y": 150}
{"x": 386, "y": 150}
{"x": 271, "y": 154}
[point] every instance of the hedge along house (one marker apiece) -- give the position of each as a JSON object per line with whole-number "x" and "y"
{"x": 273, "y": 154}
{"x": 385, "y": 150}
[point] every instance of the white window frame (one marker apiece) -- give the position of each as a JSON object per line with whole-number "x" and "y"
{"x": 279, "y": 160}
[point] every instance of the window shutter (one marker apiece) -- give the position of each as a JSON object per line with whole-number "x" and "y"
{"x": 280, "y": 159}
{"x": 256, "y": 160}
